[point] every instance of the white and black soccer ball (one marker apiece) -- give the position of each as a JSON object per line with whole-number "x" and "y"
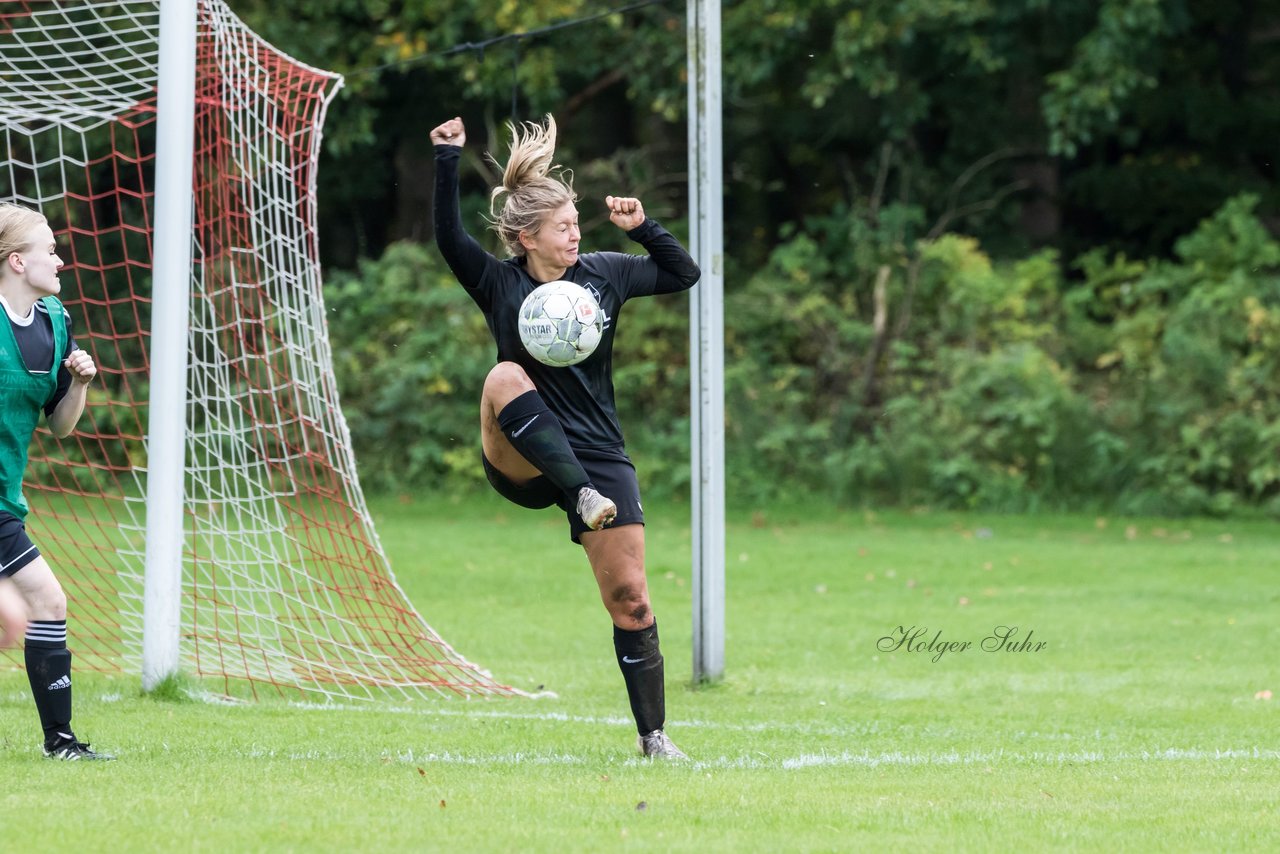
{"x": 560, "y": 323}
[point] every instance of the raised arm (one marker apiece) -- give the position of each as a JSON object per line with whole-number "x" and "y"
{"x": 675, "y": 268}
{"x": 465, "y": 257}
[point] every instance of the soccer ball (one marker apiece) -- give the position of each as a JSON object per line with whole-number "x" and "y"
{"x": 560, "y": 323}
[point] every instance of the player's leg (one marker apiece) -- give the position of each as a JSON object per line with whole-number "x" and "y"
{"x": 48, "y": 660}
{"x": 13, "y": 614}
{"x": 522, "y": 439}
{"x": 617, "y": 560}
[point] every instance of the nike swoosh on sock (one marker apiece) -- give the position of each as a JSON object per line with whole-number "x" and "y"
{"x": 516, "y": 435}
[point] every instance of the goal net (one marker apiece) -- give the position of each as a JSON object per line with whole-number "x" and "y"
{"x": 285, "y": 587}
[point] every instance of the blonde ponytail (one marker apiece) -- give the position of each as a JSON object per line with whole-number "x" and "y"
{"x": 533, "y": 185}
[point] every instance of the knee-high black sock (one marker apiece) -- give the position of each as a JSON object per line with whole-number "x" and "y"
{"x": 49, "y": 670}
{"x": 539, "y": 437}
{"x": 641, "y": 664}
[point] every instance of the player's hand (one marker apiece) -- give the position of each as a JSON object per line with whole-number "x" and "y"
{"x": 450, "y": 132}
{"x": 81, "y": 367}
{"x": 626, "y": 213}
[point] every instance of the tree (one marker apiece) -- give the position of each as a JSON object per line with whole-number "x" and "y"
{"x": 1123, "y": 122}
{"x": 409, "y": 63}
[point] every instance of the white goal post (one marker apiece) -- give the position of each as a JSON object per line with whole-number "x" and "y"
{"x": 706, "y": 339}
{"x": 170, "y": 305}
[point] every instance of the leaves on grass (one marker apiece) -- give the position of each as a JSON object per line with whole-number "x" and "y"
{"x": 642, "y": 806}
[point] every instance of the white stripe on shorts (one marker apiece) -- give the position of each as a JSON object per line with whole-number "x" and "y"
{"x": 18, "y": 558}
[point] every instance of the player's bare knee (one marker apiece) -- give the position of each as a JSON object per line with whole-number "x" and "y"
{"x": 53, "y": 608}
{"x": 48, "y": 603}
{"x": 625, "y": 593}
{"x": 630, "y": 603}
{"x": 506, "y": 372}
{"x": 505, "y": 382}
{"x": 632, "y": 619}
{"x": 641, "y": 615}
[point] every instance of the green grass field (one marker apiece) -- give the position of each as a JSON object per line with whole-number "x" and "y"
{"x": 1141, "y": 722}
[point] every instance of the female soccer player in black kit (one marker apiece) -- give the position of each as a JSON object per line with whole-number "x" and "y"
{"x": 551, "y": 435}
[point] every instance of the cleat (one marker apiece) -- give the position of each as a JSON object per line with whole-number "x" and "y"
{"x": 656, "y": 745}
{"x": 596, "y": 510}
{"x": 71, "y": 750}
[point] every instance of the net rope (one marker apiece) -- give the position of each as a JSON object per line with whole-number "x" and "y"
{"x": 286, "y": 588}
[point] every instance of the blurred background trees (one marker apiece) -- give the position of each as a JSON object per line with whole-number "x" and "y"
{"x": 1005, "y": 254}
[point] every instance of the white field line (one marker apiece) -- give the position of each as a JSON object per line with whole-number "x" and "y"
{"x": 762, "y": 762}
{"x": 758, "y": 759}
{"x": 1036, "y": 757}
{"x": 597, "y": 720}
{"x": 858, "y": 760}
{"x": 469, "y": 709}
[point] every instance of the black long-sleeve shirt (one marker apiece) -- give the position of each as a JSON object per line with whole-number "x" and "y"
{"x": 580, "y": 395}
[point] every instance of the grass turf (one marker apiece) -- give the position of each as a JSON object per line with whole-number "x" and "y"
{"x": 1141, "y": 721}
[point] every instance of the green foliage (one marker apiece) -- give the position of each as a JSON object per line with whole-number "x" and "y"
{"x": 651, "y": 388}
{"x": 1149, "y": 386}
{"x": 1110, "y": 65}
{"x": 1142, "y": 386}
{"x": 897, "y": 328}
{"x": 411, "y": 351}
{"x": 1191, "y": 361}
{"x": 1135, "y": 118}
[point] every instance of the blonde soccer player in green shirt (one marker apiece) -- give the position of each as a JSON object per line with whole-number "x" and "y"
{"x": 41, "y": 371}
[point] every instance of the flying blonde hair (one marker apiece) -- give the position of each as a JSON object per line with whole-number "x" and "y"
{"x": 534, "y": 186}
{"x": 16, "y": 223}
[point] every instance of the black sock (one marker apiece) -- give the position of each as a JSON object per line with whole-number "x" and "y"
{"x": 49, "y": 670}
{"x": 641, "y": 663}
{"x": 539, "y": 437}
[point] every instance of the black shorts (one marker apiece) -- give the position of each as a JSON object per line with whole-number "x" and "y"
{"x": 611, "y": 472}
{"x": 16, "y": 549}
